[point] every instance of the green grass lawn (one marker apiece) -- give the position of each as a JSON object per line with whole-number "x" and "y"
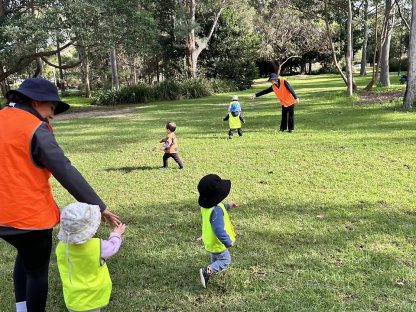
{"x": 326, "y": 222}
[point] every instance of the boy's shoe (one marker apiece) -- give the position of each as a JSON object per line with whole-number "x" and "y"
{"x": 230, "y": 137}
{"x": 163, "y": 168}
{"x": 203, "y": 274}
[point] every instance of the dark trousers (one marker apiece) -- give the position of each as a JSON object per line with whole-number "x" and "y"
{"x": 175, "y": 156}
{"x": 288, "y": 112}
{"x": 231, "y": 132}
{"x": 30, "y": 274}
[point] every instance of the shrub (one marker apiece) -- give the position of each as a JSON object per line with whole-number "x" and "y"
{"x": 196, "y": 88}
{"x": 166, "y": 90}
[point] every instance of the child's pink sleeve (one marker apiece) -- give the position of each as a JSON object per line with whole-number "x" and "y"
{"x": 111, "y": 246}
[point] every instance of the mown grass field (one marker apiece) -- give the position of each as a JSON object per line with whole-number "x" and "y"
{"x": 327, "y": 218}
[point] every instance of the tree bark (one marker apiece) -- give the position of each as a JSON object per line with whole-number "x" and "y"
{"x": 85, "y": 66}
{"x": 363, "y": 71}
{"x": 334, "y": 55}
{"x": 349, "y": 52}
{"x": 385, "y": 50}
{"x": 115, "y": 85}
{"x": 195, "y": 45}
{"x": 410, "y": 95}
{"x": 61, "y": 71}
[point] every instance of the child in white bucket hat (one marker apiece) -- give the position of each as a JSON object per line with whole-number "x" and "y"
{"x": 81, "y": 257}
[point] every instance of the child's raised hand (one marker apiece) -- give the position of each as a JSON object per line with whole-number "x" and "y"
{"x": 120, "y": 229}
{"x": 233, "y": 204}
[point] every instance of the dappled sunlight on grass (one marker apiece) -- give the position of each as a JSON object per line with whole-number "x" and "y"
{"x": 326, "y": 219}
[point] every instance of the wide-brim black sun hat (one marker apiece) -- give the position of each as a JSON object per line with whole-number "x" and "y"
{"x": 212, "y": 190}
{"x": 42, "y": 90}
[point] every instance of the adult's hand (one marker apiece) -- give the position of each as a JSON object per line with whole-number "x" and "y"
{"x": 252, "y": 97}
{"x": 111, "y": 218}
{"x": 297, "y": 100}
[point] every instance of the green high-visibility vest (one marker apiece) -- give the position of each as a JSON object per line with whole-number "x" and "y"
{"x": 211, "y": 242}
{"x": 234, "y": 122}
{"x": 86, "y": 283}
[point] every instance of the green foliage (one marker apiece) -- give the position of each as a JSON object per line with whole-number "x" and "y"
{"x": 394, "y": 64}
{"x": 168, "y": 90}
{"x": 196, "y": 88}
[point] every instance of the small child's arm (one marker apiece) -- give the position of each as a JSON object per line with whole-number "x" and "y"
{"x": 226, "y": 117}
{"x": 242, "y": 118}
{"x": 111, "y": 246}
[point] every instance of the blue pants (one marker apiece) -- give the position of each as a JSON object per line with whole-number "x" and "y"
{"x": 220, "y": 261}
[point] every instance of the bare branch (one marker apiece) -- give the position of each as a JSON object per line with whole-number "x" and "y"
{"x": 63, "y": 66}
{"x": 401, "y": 15}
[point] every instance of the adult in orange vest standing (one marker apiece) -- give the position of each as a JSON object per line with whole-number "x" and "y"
{"x": 287, "y": 98}
{"x": 29, "y": 154}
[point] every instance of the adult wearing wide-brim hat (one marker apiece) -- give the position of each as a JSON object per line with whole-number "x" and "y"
{"x": 29, "y": 155}
{"x": 286, "y": 97}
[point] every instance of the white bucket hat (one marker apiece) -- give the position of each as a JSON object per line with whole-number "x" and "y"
{"x": 235, "y": 98}
{"x": 79, "y": 222}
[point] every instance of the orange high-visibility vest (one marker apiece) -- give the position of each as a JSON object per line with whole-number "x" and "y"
{"x": 26, "y": 200}
{"x": 173, "y": 148}
{"x": 283, "y": 94}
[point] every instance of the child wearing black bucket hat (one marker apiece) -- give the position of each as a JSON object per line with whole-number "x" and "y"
{"x": 217, "y": 231}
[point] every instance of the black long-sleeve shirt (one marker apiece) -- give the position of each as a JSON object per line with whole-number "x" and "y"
{"x": 46, "y": 153}
{"x": 270, "y": 89}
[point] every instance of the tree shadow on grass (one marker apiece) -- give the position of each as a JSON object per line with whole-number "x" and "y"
{"x": 130, "y": 169}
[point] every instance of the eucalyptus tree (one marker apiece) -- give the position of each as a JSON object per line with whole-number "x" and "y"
{"x": 286, "y": 32}
{"x": 410, "y": 95}
{"x": 389, "y": 19}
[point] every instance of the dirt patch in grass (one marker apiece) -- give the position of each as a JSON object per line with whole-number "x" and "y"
{"x": 372, "y": 97}
{"x": 95, "y": 111}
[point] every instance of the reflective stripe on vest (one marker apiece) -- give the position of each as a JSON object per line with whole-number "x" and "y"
{"x": 26, "y": 200}
{"x": 234, "y": 122}
{"x": 86, "y": 283}
{"x": 283, "y": 94}
{"x": 211, "y": 242}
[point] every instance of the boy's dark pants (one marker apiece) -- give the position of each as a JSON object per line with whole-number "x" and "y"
{"x": 175, "y": 156}
{"x": 231, "y": 132}
{"x": 288, "y": 111}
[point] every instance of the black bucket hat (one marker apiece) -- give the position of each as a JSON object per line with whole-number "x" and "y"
{"x": 273, "y": 76}
{"x": 42, "y": 90}
{"x": 212, "y": 190}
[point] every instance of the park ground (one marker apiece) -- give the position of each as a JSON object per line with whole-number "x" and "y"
{"x": 327, "y": 218}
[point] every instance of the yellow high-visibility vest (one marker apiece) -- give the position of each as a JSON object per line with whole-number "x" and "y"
{"x": 234, "y": 122}
{"x": 86, "y": 283}
{"x": 211, "y": 242}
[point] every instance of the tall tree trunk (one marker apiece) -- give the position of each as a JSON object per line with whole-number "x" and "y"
{"x": 377, "y": 46}
{"x": 310, "y": 68}
{"x": 39, "y": 68}
{"x": 85, "y": 69}
{"x": 115, "y": 85}
{"x": 365, "y": 42}
{"x": 4, "y": 86}
{"x": 190, "y": 42}
{"x": 349, "y": 52}
{"x": 410, "y": 95}
{"x": 61, "y": 71}
{"x": 329, "y": 35}
{"x": 385, "y": 50}
{"x": 134, "y": 72}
